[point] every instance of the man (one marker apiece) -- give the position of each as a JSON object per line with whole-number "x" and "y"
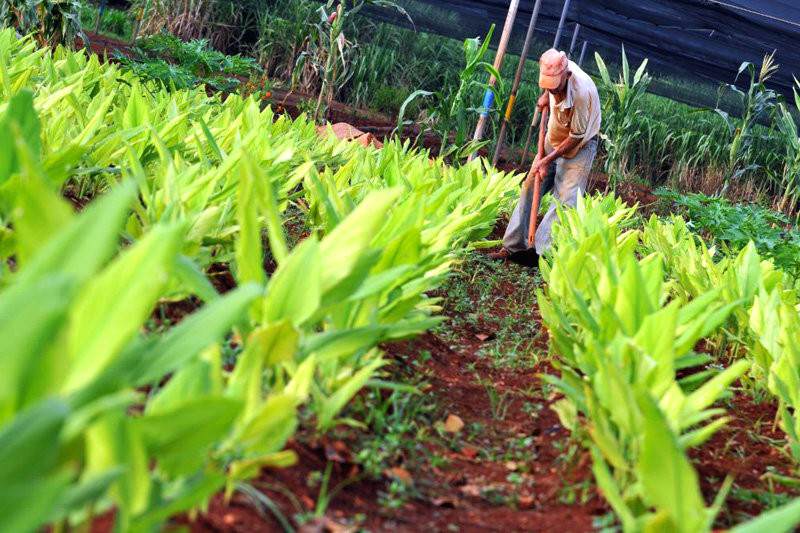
{"x": 570, "y": 148}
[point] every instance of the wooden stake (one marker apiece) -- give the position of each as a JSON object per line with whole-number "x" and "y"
{"x": 561, "y": 24}
{"x": 574, "y": 40}
{"x": 583, "y": 53}
{"x": 501, "y": 137}
{"x": 498, "y": 64}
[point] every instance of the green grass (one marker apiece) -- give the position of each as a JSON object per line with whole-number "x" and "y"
{"x": 497, "y": 300}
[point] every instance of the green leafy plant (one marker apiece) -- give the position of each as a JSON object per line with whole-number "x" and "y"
{"x": 52, "y": 22}
{"x": 450, "y": 116}
{"x": 620, "y": 345}
{"x": 622, "y": 110}
{"x": 732, "y": 226}
{"x": 189, "y": 181}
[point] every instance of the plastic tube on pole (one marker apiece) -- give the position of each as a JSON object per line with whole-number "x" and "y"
{"x": 498, "y": 63}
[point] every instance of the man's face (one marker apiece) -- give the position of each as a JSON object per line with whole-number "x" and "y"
{"x": 562, "y": 86}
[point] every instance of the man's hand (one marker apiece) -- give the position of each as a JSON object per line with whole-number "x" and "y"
{"x": 543, "y": 101}
{"x": 540, "y": 167}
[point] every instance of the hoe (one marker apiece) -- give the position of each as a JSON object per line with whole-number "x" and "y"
{"x": 537, "y": 182}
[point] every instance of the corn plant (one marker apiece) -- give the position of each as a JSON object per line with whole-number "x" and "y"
{"x": 450, "y": 116}
{"x": 790, "y": 174}
{"x": 52, "y": 22}
{"x": 757, "y": 103}
{"x": 622, "y": 110}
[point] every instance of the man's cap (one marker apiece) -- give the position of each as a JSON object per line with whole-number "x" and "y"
{"x": 552, "y": 66}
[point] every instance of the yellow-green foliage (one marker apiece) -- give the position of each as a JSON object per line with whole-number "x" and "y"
{"x": 184, "y": 180}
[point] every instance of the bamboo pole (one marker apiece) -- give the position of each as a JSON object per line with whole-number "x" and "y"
{"x": 583, "y": 53}
{"x": 488, "y": 98}
{"x": 512, "y": 99}
{"x": 574, "y": 40}
{"x": 563, "y": 19}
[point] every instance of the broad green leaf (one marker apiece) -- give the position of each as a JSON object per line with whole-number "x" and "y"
{"x": 112, "y": 442}
{"x": 331, "y": 406}
{"x": 343, "y": 247}
{"x": 249, "y": 256}
{"x": 668, "y": 480}
{"x": 268, "y": 428}
{"x": 39, "y": 215}
{"x": 180, "y": 439}
{"x": 19, "y": 124}
{"x": 113, "y": 306}
{"x": 294, "y": 292}
{"x": 31, "y": 316}
{"x": 266, "y": 347}
{"x": 81, "y": 248}
{"x": 194, "y": 492}
{"x": 780, "y": 520}
{"x": 183, "y": 342}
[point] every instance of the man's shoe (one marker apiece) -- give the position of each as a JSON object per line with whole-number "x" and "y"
{"x": 528, "y": 258}
{"x": 501, "y": 255}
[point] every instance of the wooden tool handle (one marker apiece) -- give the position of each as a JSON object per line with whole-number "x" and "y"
{"x": 536, "y": 181}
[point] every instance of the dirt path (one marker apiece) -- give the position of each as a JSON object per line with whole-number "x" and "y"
{"x": 478, "y": 450}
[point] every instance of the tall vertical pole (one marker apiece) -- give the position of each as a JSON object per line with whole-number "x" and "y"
{"x": 583, "y": 53}
{"x": 561, "y": 24}
{"x": 517, "y": 81}
{"x": 488, "y": 99}
{"x": 100, "y": 13}
{"x": 574, "y": 40}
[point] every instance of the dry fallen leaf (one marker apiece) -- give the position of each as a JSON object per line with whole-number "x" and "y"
{"x": 453, "y": 424}
{"x": 400, "y": 474}
{"x": 469, "y": 452}
{"x": 526, "y": 502}
{"x": 449, "y": 503}
{"x": 471, "y": 490}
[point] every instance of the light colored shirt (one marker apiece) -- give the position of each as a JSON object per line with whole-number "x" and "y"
{"x": 578, "y": 114}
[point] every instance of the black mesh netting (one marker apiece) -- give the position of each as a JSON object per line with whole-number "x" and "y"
{"x": 706, "y": 39}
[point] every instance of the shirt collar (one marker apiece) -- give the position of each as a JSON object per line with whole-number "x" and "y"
{"x": 566, "y": 103}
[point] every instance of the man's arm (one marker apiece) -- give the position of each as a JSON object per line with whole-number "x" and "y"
{"x": 564, "y": 147}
